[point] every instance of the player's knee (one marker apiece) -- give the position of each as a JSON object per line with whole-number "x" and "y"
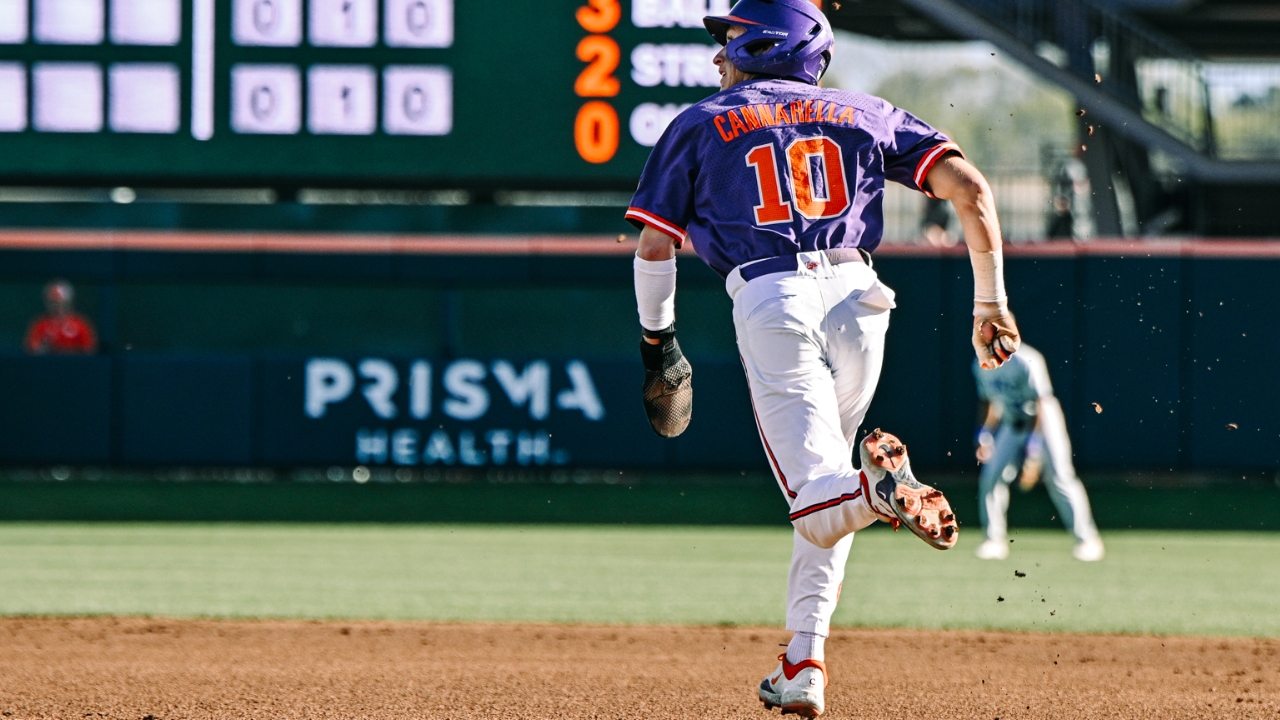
{"x": 813, "y": 529}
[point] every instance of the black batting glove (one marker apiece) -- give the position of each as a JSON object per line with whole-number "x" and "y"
{"x": 668, "y": 383}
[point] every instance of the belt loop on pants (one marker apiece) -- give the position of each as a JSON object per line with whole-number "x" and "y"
{"x": 787, "y": 263}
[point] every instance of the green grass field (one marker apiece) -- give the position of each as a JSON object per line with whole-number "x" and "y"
{"x": 1209, "y": 583}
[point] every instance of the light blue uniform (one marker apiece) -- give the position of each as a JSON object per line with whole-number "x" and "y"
{"x": 1022, "y": 390}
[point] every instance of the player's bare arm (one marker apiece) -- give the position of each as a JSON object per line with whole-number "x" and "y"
{"x": 995, "y": 333}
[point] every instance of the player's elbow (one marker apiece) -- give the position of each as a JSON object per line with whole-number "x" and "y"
{"x": 653, "y": 253}
{"x": 654, "y": 246}
{"x": 971, "y": 194}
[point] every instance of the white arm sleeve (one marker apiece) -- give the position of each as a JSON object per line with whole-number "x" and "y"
{"x": 656, "y": 293}
{"x": 988, "y": 277}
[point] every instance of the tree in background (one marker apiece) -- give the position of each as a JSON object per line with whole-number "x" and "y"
{"x": 1001, "y": 119}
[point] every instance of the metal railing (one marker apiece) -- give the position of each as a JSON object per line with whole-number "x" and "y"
{"x": 1132, "y": 63}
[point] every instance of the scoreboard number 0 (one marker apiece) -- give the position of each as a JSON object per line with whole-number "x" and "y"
{"x": 596, "y": 132}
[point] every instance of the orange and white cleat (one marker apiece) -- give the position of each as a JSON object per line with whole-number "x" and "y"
{"x": 797, "y": 689}
{"x": 898, "y": 498}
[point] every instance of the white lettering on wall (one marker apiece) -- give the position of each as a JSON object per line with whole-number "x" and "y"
{"x": 468, "y": 391}
{"x": 532, "y": 387}
{"x": 404, "y": 447}
{"x": 469, "y": 399}
{"x": 533, "y": 448}
{"x": 499, "y": 441}
{"x": 420, "y": 390}
{"x": 328, "y": 381}
{"x": 582, "y": 396}
{"x": 439, "y": 449}
{"x": 467, "y": 451}
{"x": 383, "y": 383}
{"x": 371, "y": 446}
{"x": 495, "y": 448}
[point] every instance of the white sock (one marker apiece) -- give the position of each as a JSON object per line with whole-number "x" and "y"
{"x": 805, "y": 646}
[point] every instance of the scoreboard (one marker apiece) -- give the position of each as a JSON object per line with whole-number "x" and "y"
{"x": 378, "y": 93}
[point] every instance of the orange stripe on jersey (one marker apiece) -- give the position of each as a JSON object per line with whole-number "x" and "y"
{"x": 929, "y": 159}
{"x": 666, "y": 227}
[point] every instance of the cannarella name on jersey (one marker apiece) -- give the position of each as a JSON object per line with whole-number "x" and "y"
{"x": 746, "y": 118}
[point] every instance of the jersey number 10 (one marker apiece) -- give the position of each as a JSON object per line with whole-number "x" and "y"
{"x": 818, "y": 186}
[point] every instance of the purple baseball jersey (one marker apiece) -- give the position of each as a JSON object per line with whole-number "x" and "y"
{"x": 775, "y": 167}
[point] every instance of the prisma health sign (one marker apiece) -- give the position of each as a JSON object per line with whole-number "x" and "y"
{"x": 553, "y": 93}
{"x": 459, "y": 412}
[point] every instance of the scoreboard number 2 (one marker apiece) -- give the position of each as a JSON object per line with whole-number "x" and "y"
{"x": 602, "y": 54}
{"x": 596, "y": 130}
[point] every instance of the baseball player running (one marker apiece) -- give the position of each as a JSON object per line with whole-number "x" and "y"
{"x": 1024, "y": 436}
{"x": 778, "y": 184}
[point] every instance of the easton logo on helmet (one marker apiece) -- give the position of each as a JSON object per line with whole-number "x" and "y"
{"x": 788, "y": 39}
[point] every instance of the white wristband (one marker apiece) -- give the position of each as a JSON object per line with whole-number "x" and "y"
{"x": 656, "y": 293}
{"x": 988, "y": 277}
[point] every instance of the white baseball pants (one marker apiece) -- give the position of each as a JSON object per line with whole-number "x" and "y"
{"x": 812, "y": 344}
{"x": 1059, "y": 476}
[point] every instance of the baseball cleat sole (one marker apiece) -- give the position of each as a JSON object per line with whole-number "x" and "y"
{"x": 806, "y": 711}
{"x": 924, "y": 510}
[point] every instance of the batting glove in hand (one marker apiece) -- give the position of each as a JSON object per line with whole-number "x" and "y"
{"x": 995, "y": 334}
{"x": 668, "y": 383}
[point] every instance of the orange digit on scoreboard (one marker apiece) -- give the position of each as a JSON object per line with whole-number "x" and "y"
{"x": 596, "y": 79}
{"x": 599, "y": 16}
{"x": 596, "y": 132}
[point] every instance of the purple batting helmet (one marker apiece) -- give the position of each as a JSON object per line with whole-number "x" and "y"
{"x": 788, "y": 39}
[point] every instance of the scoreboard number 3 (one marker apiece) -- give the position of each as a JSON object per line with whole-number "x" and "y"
{"x": 818, "y": 186}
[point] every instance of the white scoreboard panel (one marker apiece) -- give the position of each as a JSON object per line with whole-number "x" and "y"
{"x": 401, "y": 92}
{"x": 146, "y": 97}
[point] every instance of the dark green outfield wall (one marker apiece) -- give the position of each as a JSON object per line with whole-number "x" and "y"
{"x": 205, "y": 352}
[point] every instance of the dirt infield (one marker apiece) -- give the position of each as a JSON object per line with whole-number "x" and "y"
{"x": 143, "y": 669}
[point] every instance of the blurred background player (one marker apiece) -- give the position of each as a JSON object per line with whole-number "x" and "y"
{"x": 935, "y": 223}
{"x": 60, "y": 330}
{"x": 1023, "y": 436}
